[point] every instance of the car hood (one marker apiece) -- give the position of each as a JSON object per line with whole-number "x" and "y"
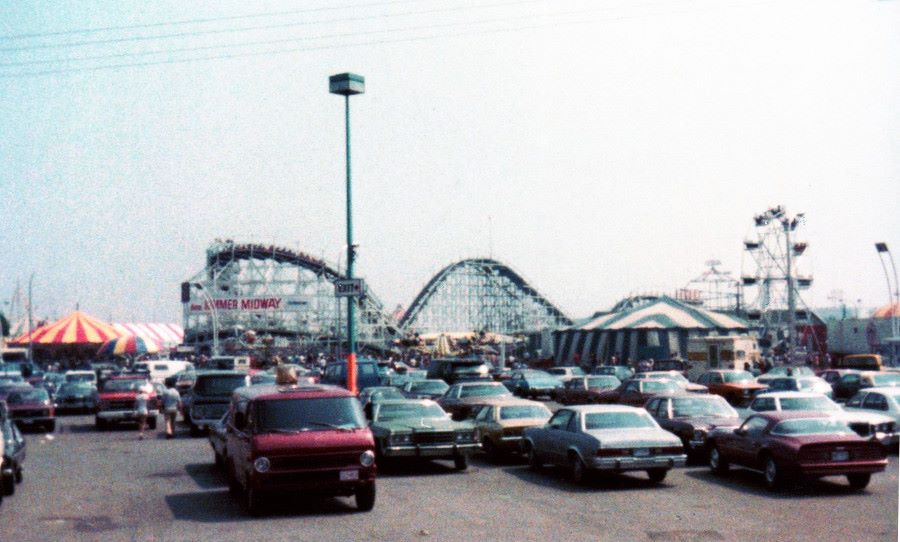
{"x": 313, "y": 442}
{"x": 710, "y": 421}
{"x": 865, "y": 417}
{"x": 749, "y": 385}
{"x": 614, "y": 438}
{"x": 523, "y": 422}
{"x": 421, "y": 425}
{"x": 117, "y": 395}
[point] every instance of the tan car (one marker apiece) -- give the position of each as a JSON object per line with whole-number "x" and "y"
{"x": 499, "y": 425}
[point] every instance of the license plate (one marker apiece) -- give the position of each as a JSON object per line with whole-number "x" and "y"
{"x": 840, "y": 455}
{"x": 641, "y": 452}
{"x": 349, "y": 475}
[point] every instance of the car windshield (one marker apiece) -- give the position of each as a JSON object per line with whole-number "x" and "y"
{"x": 809, "y": 383}
{"x": 603, "y": 382}
{"x": 80, "y": 377}
{"x": 481, "y": 391}
{"x": 325, "y": 413}
{"x": 702, "y": 406}
{"x": 433, "y": 386}
{"x": 470, "y": 369}
{"x": 28, "y": 396}
{"x": 262, "y": 378}
{"x": 808, "y": 403}
{"x": 812, "y": 426}
{"x": 11, "y": 380}
{"x": 388, "y": 393}
{"x": 656, "y": 386}
{"x": 130, "y": 384}
{"x": 75, "y": 388}
{"x": 617, "y": 420}
{"x": 886, "y": 379}
{"x": 677, "y": 377}
{"x": 740, "y": 376}
{"x": 515, "y": 412}
{"x": 409, "y": 410}
{"x": 219, "y": 385}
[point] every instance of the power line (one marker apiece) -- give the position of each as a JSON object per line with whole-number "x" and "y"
{"x": 294, "y": 39}
{"x": 258, "y": 27}
{"x": 198, "y": 21}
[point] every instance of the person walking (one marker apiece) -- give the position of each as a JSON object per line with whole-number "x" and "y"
{"x": 171, "y": 401}
{"x": 140, "y": 408}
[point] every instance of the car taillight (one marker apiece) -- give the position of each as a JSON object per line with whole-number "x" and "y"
{"x": 612, "y": 452}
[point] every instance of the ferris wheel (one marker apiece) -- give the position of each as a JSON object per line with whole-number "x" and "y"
{"x": 773, "y": 277}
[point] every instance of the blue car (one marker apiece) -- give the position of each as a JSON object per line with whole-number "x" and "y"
{"x": 533, "y": 384}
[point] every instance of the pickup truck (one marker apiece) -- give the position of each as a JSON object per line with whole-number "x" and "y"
{"x": 116, "y": 401}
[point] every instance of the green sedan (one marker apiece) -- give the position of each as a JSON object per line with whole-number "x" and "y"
{"x": 421, "y": 429}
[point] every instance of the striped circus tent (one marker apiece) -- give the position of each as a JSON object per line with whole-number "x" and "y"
{"x": 164, "y": 335}
{"x": 75, "y": 329}
{"x": 655, "y": 329}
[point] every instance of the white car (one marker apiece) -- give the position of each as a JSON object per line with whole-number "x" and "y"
{"x": 811, "y": 384}
{"x": 81, "y": 376}
{"x": 865, "y": 424}
{"x": 884, "y": 401}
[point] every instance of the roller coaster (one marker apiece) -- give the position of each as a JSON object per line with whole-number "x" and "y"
{"x": 289, "y": 295}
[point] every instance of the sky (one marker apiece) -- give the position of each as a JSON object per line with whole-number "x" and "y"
{"x": 598, "y": 148}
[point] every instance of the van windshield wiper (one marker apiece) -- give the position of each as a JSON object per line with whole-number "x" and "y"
{"x": 330, "y": 425}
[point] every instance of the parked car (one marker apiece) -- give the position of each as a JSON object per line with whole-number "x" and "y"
{"x": 850, "y": 384}
{"x": 565, "y": 374}
{"x": 500, "y": 425}
{"x": 885, "y": 401}
{"x": 183, "y": 380}
{"x": 812, "y": 384}
{"x": 453, "y": 370}
{"x": 367, "y": 374}
{"x": 424, "y": 389}
{"x": 378, "y": 393}
{"x": 217, "y": 436}
{"x": 210, "y": 396}
{"x": 691, "y": 417}
{"x": 607, "y": 438}
{"x": 675, "y": 376}
{"x": 31, "y": 407}
{"x": 13, "y": 452}
{"x": 116, "y": 401}
{"x": 298, "y": 439}
{"x": 636, "y": 392}
{"x": 788, "y": 445}
{"x": 81, "y": 376}
{"x": 76, "y": 397}
{"x": 866, "y": 424}
{"x": 833, "y": 375}
{"x": 622, "y": 372}
{"x": 459, "y": 398}
{"x": 533, "y": 384}
{"x": 419, "y": 428}
{"x": 737, "y": 387}
{"x": 777, "y": 372}
{"x": 580, "y": 391}
{"x": 262, "y": 378}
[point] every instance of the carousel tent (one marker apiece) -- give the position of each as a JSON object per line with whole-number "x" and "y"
{"x": 654, "y": 329}
{"x": 77, "y": 328}
{"x": 887, "y": 311}
{"x": 164, "y": 335}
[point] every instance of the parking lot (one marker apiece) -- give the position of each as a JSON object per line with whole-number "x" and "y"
{"x": 84, "y": 484}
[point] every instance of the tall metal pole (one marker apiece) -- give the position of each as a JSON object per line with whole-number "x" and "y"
{"x": 351, "y": 301}
{"x": 893, "y": 298}
{"x": 792, "y": 302}
{"x": 30, "y": 323}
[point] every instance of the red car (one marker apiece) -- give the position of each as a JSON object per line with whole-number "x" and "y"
{"x": 308, "y": 439}
{"x": 31, "y": 407}
{"x": 585, "y": 389}
{"x": 116, "y": 401}
{"x": 636, "y": 392}
{"x": 790, "y": 445}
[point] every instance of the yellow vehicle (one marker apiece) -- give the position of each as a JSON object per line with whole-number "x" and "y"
{"x": 720, "y": 352}
{"x": 500, "y": 424}
{"x": 863, "y": 362}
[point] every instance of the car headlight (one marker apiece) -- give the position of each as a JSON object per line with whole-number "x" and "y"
{"x": 367, "y": 458}
{"x": 262, "y": 464}
{"x": 467, "y": 436}
{"x": 699, "y": 434}
{"x": 887, "y": 427}
{"x": 402, "y": 438}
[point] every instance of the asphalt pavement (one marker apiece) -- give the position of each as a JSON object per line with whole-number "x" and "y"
{"x": 81, "y": 484}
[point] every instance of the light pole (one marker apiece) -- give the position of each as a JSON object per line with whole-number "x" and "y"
{"x": 348, "y": 84}
{"x": 214, "y": 316}
{"x": 30, "y": 323}
{"x": 893, "y": 297}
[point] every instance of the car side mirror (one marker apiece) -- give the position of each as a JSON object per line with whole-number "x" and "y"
{"x": 740, "y": 432}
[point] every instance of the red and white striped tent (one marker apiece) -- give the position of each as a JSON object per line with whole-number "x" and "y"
{"x": 164, "y": 335}
{"x": 77, "y": 328}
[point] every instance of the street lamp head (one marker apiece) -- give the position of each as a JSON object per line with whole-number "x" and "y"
{"x": 881, "y": 247}
{"x": 347, "y": 84}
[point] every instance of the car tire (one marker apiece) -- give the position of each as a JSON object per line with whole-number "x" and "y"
{"x": 100, "y": 424}
{"x": 490, "y": 449}
{"x": 365, "y": 497}
{"x": 577, "y": 470}
{"x": 233, "y": 486}
{"x": 772, "y": 474}
{"x": 253, "y": 502}
{"x": 717, "y": 463}
{"x": 19, "y": 475}
{"x": 219, "y": 462}
{"x": 50, "y": 427}
{"x": 533, "y": 460}
{"x": 461, "y": 462}
{"x": 657, "y": 475}
{"x": 859, "y": 481}
{"x": 195, "y": 431}
{"x": 151, "y": 422}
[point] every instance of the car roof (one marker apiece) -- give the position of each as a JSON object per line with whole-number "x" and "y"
{"x": 267, "y": 392}
{"x": 686, "y": 395}
{"x": 407, "y": 402}
{"x": 792, "y": 414}
{"x": 133, "y": 376}
{"x": 603, "y": 408}
{"x": 890, "y": 390}
{"x": 796, "y": 394}
{"x": 479, "y": 383}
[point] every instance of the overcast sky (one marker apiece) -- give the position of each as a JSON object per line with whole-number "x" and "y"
{"x": 598, "y": 148}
